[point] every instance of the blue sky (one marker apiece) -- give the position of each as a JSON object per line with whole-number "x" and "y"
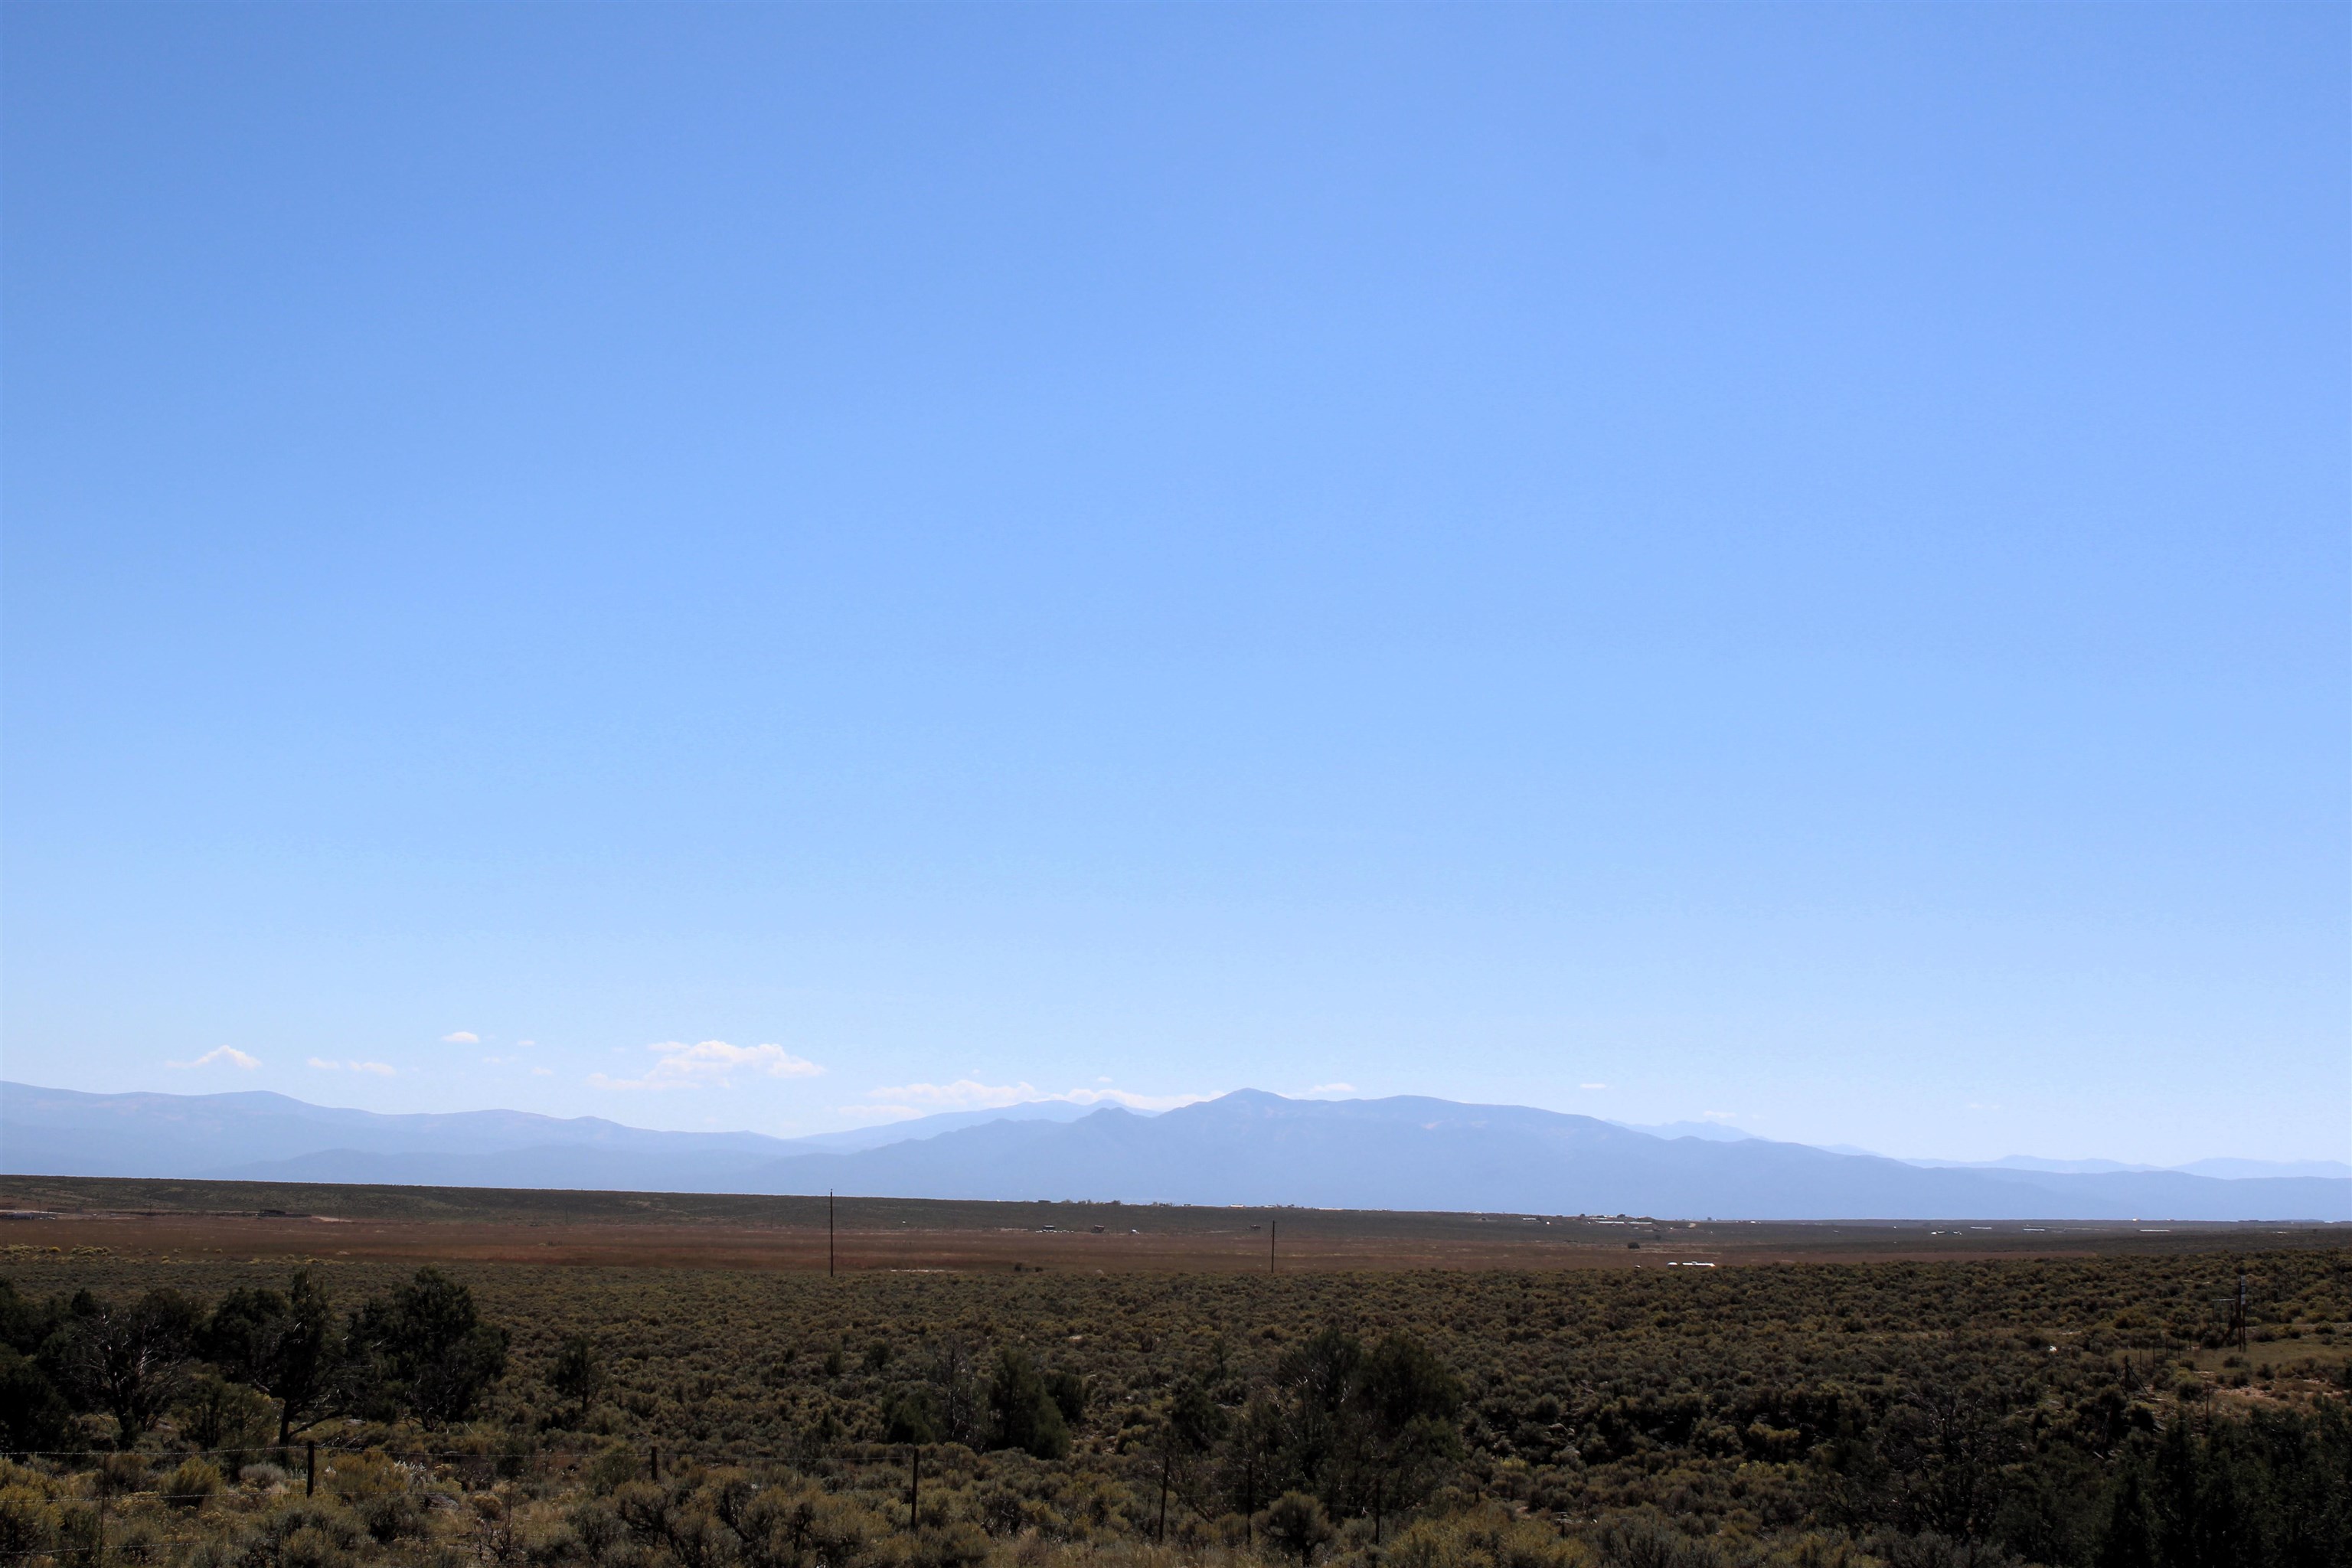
{"x": 1783, "y": 562}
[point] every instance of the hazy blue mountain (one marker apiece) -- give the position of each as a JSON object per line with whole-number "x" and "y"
{"x": 2238, "y": 1170}
{"x": 576, "y": 1166}
{"x": 1248, "y": 1147}
{"x": 1411, "y": 1152}
{"x": 1713, "y": 1132}
{"x": 256, "y": 1135}
{"x": 2228, "y": 1169}
{"x": 64, "y": 1133}
{"x": 2056, "y": 1167}
{"x": 945, "y": 1121}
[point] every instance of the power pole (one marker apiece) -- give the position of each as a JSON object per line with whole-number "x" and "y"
{"x": 2233, "y": 1305}
{"x": 828, "y": 1232}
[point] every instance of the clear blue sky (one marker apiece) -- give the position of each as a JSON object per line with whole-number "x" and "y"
{"x": 1789, "y": 562}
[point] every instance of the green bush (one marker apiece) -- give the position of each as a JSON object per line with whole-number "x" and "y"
{"x": 194, "y": 1483}
{"x": 614, "y": 1466}
{"x": 217, "y": 1413}
{"x": 33, "y": 1414}
{"x": 1295, "y": 1524}
{"x": 1022, "y": 1409}
{"x": 1490, "y": 1536}
{"x": 28, "y": 1520}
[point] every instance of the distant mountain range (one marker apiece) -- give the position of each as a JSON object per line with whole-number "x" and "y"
{"x": 1247, "y": 1147}
{"x": 256, "y": 1135}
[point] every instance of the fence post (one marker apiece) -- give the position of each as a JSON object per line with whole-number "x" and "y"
{"x": 653, "y": 1461}
{"x": 311, "y": 1469}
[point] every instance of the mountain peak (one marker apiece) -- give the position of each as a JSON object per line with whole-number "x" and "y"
{"x": 1249, "y": 1147}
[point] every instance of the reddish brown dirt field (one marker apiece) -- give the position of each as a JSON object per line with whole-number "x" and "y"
{"x": 798, "y": 1248}
{"x": 751, "y": 1233}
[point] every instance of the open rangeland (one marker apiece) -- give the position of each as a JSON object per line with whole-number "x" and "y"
{"x": 660, "y": 1381}
{"x": 269, "y": 1220}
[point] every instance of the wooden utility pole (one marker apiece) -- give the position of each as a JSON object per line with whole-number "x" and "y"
{"x": 828, "y": 1232}
{"x": 914, "y": 1483}
{"x": 1272, "y": 1226}
{"x": 309, "y": 1469}
{"x": 2233, "y": 1306}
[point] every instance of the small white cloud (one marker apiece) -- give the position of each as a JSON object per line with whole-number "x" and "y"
{"x": 525, "y": 1044}
{"x": 228, "y": 1054}
{"x": 1592, "y": 1086}
{"x": 1717, "y": 1115}
{"x": 542, "y": 1072}
{"x": 381, "y": 1070}
{"x": 711, "y": 1062}
{"x": 462, "y": 1037}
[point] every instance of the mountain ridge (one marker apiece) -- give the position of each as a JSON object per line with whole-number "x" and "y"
{"x": 1251, "y": 1148}
{"x": 1405, "y": 1152}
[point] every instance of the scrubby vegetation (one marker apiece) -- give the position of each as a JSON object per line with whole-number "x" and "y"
{"x": 2098, "y": 1411}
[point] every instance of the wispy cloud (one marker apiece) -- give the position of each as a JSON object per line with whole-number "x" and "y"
{"x": 1718, "y": 1115}
{"x": 461, "y": 1037}
{"x": 964, "y": 1094}
{"x": 1592, "y": 1086}
{"x": 381, "y": 1070}
{"x": 228, "y": 1054}
{"x": 711, "y": 1062}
